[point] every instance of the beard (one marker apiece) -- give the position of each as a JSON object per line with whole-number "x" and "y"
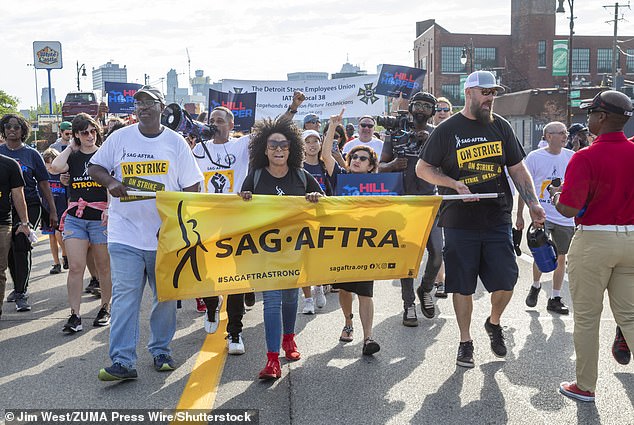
{"x": 481, "y": 115}
{"x": 420, "y": 119}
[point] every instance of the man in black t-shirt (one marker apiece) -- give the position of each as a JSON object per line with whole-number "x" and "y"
{"x": 11, "y": 192}
{"x": 400, "y": 153}
{"x": 467, "y": 154}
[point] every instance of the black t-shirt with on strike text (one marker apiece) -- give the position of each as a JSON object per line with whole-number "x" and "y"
{"x": 476, "y": 155}
{"x": 83, "y": 186}
{"x": 290, "y": 184}
{"x": 10, "y": 178}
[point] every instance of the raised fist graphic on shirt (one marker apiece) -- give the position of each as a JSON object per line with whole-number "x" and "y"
{"x": 219, "y": 182}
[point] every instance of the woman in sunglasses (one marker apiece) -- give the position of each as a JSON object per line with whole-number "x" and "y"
{"x": 361, "y": 159}
{"x": 443, "y": 110}
{"x": 83, "y": 224}
{"x": 276, "y": 152}
{"x": 14, "y": 130}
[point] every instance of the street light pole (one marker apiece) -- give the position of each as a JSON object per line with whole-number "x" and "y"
{"x": 37, "y": 101}
{"x": 79, "y": 69}
{"x": 467, "y": 53}
{"x": 560, "y": 9}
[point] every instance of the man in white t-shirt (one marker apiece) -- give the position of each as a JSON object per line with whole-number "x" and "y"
{"x": 144, "y": 156}
{"x": 224, "y": 162}
{"x": 548, "y": 166}
{"x": 366, "y": 136}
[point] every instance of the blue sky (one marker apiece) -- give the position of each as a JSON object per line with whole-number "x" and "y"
{"x": 258, "y": 40}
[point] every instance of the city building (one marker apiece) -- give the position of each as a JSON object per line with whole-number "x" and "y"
{"x": 44, "y": 98}
{"x": 348, "y": 70}
{"x": 175, "y": 94}
{"x": 108, "y": 72}
{"x": 522, "y": 60}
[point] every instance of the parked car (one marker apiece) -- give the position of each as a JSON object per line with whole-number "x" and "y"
{"x": 76, "y": 102}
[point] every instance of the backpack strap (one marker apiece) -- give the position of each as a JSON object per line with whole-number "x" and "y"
{"x": 256, "y": 177}
{"x": 302, "y": 177}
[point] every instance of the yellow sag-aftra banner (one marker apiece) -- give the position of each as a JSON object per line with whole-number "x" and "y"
{"x": 211, "y": 244}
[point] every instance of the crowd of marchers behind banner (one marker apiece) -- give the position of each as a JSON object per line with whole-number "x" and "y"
{"x": 574, "y": 186}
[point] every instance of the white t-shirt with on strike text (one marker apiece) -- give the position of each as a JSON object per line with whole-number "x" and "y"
{"x": 224, "y": 165}
{"x": 164, "y": 162}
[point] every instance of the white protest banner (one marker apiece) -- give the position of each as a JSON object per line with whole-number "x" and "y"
{"x": 323, "y": 97}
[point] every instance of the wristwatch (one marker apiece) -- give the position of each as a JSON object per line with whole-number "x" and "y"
{"x": 27, "y": 224}
{"x": 291, "y": 110}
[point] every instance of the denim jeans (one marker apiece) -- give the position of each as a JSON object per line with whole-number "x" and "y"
{"x": 129, "y": 268}
{"x": 434, "y": 260}
{"x": 280, "y": 309}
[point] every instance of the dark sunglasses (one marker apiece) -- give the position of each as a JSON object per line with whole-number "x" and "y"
{"x": 87, "y": 132}
{"x": 361, "y": 158}
{"x": 364, "y": 125}
{"x": 9, "y": 126}
{"x": 442, "y": 109}
{"x": 489, "y": 92}
{"x": 282, "y": 144}
{"x": 313, "y": 122}
{"x": 593, "y": 110}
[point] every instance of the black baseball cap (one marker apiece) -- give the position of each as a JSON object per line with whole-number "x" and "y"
{"x": 599, "y": 103}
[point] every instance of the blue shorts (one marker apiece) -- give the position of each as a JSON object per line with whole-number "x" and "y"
{"x": 487, "y": 254}
{"x": 89, "y": 230}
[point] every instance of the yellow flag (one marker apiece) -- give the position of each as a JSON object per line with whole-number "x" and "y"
{"x": 211, "y": 244}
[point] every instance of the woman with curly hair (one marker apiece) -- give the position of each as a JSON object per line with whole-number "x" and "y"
{"x": 15, "y": 130}
{"x": 276, "y": 156}
{"x": 361, "y": 159}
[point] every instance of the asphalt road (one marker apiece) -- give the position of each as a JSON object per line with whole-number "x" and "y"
{"x": 413, "y": 379}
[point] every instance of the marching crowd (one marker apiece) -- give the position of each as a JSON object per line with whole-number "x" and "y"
{"x": 576, "y": 185}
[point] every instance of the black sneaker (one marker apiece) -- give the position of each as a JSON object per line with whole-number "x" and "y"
{"x": 497, "y": 339}
{"x": 556, "y": 306}
{"x": 94, "y": 283}
{"x": 249, "y": 299}
{"x": 440, "y": 290}
{"x": 65, "y": 262}
{"x": 117, "y": 372}
{"x": 409, "y": 317}
{"x": 73, "y": 325}
{"x": 103, "y": 317}
{"x": 620, "y": 349}
{"x": 164, "y": 363}
{"x": 370, "y": 347}
{"x": 426, "y": 303}
{"x": 56, "y": 269}
{"x": 531, "y": 299}
{"x": 465, "y": 354}
{"x": 20, "y": 302}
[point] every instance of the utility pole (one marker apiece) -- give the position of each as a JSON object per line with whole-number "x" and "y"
{"x": 146, "y": 79}
{"x": 615, "y": 50}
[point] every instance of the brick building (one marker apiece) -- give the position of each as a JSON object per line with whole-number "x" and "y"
{"x": 521, "y": 60}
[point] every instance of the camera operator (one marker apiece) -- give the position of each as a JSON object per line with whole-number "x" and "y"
{"x": 400, "y": 153}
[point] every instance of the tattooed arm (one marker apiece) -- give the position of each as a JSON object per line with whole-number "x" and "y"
{"x": 524, "y": 185}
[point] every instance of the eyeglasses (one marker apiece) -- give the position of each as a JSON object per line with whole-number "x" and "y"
{"x": 148, "y": 103}
{"x": 282, "y": 144}
{"x": 67, "y": 133}
{"x": 488, "y": 92}
{"x": 9, "y": 126}
{"x": 361, "y": 158}
{"x": 85, "y": 133}
{"x": 593, "y": 110}
{"x": 364, "y": 125}
{"x": 561, "y": 133}
{"x": 421, "y": 106}
{"x": 442, "y": 109}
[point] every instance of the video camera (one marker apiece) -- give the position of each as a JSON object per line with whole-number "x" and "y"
{"x": 400, "y": 128}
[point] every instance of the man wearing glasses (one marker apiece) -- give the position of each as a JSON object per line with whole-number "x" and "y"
{"x": 66, "y": 132}
{"x": 467, "y": 154}
{"x": 598, "y": 193}
{"x": 366, "y": 136}
{"x": 547, "y": 166}
{"x": 400, "y": 154}
{"x": 149, "y": 156}
{"x": 312, "y": 122}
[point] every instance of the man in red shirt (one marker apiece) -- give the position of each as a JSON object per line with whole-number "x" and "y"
{"x": 598, "y": 192}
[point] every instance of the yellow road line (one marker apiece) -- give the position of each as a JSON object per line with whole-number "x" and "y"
{"x": 202, "y": 386}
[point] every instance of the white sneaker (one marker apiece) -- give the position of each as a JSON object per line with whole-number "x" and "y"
{"x": 212, "y": 327}
{"x": 318, "y": 295}
{"x": 235, "y": 344}
{"x": 309, "y": 306}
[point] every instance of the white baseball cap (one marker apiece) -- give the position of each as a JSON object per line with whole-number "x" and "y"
{"x": 482, "y": 79}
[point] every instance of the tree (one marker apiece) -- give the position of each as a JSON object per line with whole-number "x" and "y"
{"x": 44, "y": 110}
{"x": 8, "y": 103}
